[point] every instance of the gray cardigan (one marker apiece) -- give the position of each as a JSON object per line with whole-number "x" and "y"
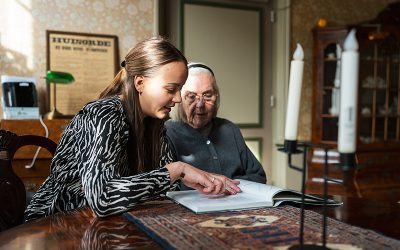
{"x": 223, "y": 152}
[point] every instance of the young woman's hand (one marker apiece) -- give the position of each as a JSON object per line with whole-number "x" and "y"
{"x": 205, "y": 182}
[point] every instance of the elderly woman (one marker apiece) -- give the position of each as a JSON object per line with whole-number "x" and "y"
{"x": 198, "y": 137}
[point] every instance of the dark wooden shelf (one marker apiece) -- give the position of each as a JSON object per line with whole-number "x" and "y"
{"x": 380, "y": 116}
{"x": 329, "y": 116}
{"x": 378, "y": 138}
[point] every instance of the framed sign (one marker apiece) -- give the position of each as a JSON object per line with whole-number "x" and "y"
{"x": 228, "y": 38}
{"x": 92, "y": 59}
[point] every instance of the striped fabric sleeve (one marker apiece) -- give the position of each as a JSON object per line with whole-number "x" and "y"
{"x": 102, "y": 151}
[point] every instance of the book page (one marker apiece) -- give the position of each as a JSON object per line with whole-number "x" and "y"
{"x": 259, "y": 189}
{"x": 277, "y": 195}
{"x": 198, "y": 202}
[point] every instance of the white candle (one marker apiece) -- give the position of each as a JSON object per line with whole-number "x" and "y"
{"x": 293, "y": 105}
{"x": 348, "y": 95}
{"x": 335, "y": 98}
{"x": 337, "y": 73}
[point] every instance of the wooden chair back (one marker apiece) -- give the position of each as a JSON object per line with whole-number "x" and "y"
{"x": 12, "y": 189}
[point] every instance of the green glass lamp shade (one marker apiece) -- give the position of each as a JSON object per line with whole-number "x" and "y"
{"x": 59, "y": 77}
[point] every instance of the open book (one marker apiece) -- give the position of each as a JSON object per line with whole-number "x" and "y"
{"x": 253, "y": 195}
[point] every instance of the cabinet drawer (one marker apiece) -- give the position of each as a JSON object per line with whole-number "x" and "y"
{"x": 34, "y": 127}
{"x": 32, "y": 184}
{"x": 41, "y": 168}
{"x": 376, "y": 159}
{"x": 32, "y": 177}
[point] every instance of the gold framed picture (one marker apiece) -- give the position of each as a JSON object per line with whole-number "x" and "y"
{"x": 92, "y": 59}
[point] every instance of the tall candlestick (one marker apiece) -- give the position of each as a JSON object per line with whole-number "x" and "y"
{"x": 293, "y": 105}
{"x": 348, "y": 95}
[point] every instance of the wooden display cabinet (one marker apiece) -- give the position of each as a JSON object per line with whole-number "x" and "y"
{"x": 34, "y": 177}
{"x": 378, "y": 131}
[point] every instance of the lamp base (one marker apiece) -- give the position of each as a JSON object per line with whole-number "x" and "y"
{"x": 54, "y": 114}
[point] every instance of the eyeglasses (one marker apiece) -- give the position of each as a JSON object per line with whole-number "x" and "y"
{"x": 208, "y": 97}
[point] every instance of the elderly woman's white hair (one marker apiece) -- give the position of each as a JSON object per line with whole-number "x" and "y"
{"x": 195, "y": 68}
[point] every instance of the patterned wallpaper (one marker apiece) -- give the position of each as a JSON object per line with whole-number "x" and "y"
{"x": 23, "y": 25}
{"x": 304, "y": 16}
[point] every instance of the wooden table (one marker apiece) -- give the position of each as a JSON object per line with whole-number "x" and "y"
{"x": 78, "y": 229}
{"x": 81, "y": 229}
{"x": 379, "y": 215}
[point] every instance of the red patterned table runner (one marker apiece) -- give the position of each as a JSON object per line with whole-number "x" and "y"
{"x": 175, "y": 227}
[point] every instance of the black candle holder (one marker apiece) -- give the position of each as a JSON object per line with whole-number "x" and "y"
{"x": 347, "y": 161}
{"x": 290, "y": 147}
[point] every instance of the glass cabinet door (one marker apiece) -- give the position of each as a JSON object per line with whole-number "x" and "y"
{"x": 331, "y": 98}
{"x": 379, "y": 91}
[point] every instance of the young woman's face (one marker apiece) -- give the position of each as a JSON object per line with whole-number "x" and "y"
{"x": 160, "y": 92}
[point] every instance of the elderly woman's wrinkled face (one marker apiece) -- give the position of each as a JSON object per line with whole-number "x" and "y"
{"x": 199, "y": 99}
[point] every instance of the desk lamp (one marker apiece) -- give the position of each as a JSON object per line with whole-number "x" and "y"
{"x": 57, "y": 77}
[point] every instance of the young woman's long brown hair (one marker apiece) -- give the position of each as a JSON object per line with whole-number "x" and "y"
{"x": 143, "y": 60}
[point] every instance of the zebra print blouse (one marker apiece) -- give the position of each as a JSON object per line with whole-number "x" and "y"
{"x": 90, "y": 167}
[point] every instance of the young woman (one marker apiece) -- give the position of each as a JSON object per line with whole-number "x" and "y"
{"x": 114, "y": 153}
